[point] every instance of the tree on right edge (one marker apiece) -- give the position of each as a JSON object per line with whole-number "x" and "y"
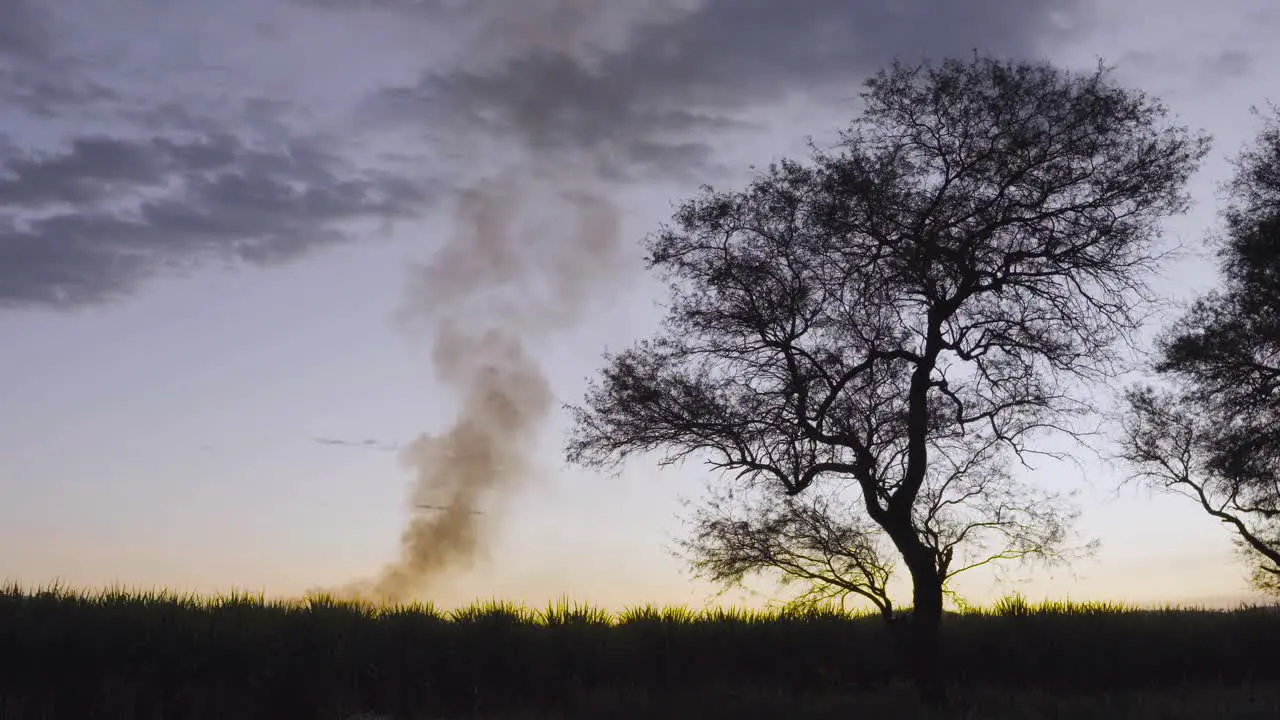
{"x": 1213, "y": 432}
{"x": 924, "y": 298}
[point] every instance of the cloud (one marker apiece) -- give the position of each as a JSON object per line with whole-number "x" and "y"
{"x": 182, "y": 167}
{"x": 24, "y": 33}
{"x": 659, "y": 88}
{"x": 91, "y": 222}
{"x": 35, "y": 76}
{"x": 98, "y": 168}
{"x": 1172, "y": 67}
{"x": 1233, "y": 64}
{"x": 166, "y": 181}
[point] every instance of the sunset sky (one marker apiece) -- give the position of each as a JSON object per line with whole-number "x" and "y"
{"x": 209, "y": 212}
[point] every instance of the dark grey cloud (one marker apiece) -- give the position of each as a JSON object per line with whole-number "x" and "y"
{"x": 100, "y": 168}
{"x": 36, "y": 76}
{"x": 182, "y": 172}
{"x": 24, "y": 31}
{"x": 30, "y": 79}
{"x": 92, "y": 222}
{"x": 682, "y": 76}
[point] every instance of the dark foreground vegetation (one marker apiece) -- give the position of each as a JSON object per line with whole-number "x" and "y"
{"x": 122, "y": 655}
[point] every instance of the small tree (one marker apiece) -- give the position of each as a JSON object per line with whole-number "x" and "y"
{"x": 1215, "y": 435}
{"x": 977, "y": 243}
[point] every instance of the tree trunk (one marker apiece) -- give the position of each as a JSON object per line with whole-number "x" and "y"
{"x": 922, "y": 635}
{"x": 919, "y": 635}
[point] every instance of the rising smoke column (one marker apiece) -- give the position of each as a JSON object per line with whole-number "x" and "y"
{"x": 531, "y": 248}
{"x": 486, "y": 303}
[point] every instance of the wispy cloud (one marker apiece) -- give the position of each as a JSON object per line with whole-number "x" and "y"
{"x": 657, "y": 86}
{"x": 92, "y": 221}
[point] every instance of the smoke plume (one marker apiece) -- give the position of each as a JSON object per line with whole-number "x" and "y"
{"x": 531, "y": 247}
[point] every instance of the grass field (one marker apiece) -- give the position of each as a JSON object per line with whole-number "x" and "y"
{"x": 138, "y": 655}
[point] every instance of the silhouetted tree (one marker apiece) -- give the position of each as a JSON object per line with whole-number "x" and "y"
{"x": 977, "y": 243}
{"x": 971, "y": 513}
{"x": 1214, "y": 433}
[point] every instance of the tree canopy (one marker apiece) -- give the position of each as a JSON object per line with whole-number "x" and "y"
{"x": 1212, "y": 432}
{"x": 901, "y": 315}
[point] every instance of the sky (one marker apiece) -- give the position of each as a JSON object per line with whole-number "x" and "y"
{"x": 221, "y": 225}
